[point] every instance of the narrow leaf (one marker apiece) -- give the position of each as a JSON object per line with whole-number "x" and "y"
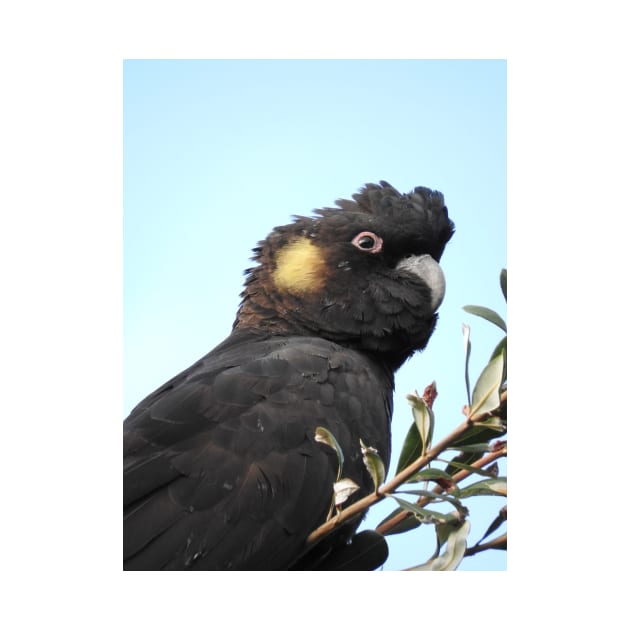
{"x": 486, "y": 392}
{"x": 343, "y": 489}
{"x": 453, "y": 552}
{"x": 435, "y": 496}
{"x": 324, "y": 436}
{"x": 422, "y": 567}
{"x": 493, "y": 422}
{"x": 410, "y": 522}
{"x": 487, "y": 314}
{"x": 467, "y": 346}
{"x": 431, "y": 474}
{"x": 465, "y": 456}
{"x": 374, "y": 464}
{"x": 424, "y": 515}
{"x": 500, "y": 348}
{"x": 496, "y": 523}
{"x": 411, "y": 448}
{"x": 477, "y": 434}
{"x": 424, "y": 420}
{"x": 496, "y": 486}
{"x": 455, "y": 549}
{"x": 503, "y": 282}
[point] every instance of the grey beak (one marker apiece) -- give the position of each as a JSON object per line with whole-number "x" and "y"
{"x": 426, "y": 268}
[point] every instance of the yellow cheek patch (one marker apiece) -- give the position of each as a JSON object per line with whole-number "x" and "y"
{"x": 300, "y": 267}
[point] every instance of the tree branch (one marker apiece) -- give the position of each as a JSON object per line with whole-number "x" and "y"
{"x": 362, "y": 505}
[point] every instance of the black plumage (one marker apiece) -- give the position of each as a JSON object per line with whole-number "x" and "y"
{"x": 221, "y": 466}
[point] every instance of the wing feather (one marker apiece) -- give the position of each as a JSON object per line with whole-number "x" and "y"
{"x": 222, "y": 470}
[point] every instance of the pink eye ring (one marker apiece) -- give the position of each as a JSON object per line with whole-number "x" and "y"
{"x": 368, "y": 242}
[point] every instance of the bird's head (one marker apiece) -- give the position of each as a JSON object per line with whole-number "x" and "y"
{"x": 364, "y": 274}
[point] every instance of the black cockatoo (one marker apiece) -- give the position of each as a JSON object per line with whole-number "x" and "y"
{"x": 222, "y": 469}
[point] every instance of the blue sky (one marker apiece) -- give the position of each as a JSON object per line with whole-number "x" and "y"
{"x": 217, "y": 153}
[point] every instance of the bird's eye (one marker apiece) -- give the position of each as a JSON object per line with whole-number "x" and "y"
{"x": 368, "y": 242}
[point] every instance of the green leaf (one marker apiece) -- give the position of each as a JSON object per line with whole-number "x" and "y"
{"x": 424, "y": 420}
{"x": 411, "y": 448}
{"x": 435, "y": 496}
{"x": 496, "y": 523}
{"x": 493, "y": 422}
{"x": 503, "y": 282}
{"x": 495, "y": 487}
{"x": 431, "y": 474}
{"x": 424, "y": 515}
{"x": 453, "y": 553}
{"x": 501, "y": 348}
{"x": 407, "y": 524}
{"x": 466, "y": 456}
{"x": 477, "y": 435}
{"x": 467, "y": 346}
{"x": 374, "y": 464}
{"x": 324, "y": 436}
{"x": 487, "y": 314}
{"x": 486, "y": 392}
